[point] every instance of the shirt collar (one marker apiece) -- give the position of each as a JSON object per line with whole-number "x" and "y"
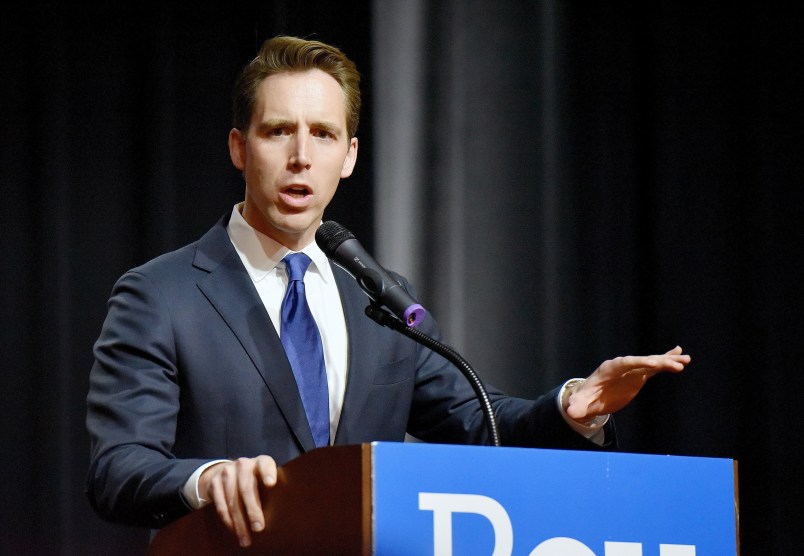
{"x": 261, "y": 254}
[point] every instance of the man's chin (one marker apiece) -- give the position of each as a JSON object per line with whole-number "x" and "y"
{"x": 294, "y": 231}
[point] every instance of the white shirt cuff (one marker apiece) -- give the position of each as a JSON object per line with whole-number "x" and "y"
{"x": 190, "y": 490}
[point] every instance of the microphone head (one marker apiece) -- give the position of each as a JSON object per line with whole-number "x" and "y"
{"x": 330, "y": 235}
{"x": 372, "y": 278}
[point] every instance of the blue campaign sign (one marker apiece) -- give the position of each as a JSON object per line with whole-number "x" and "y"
{"x": 464, "y": 500}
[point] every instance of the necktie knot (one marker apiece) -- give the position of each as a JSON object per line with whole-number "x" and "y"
{"x": 296, "y": 264}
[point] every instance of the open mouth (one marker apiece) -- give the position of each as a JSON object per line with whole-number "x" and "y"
{"x": 297, "y": 196}
{"x": 298, "y": 191}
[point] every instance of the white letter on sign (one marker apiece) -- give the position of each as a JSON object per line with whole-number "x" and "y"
{"x": 443, "y": 505}
{"x": 562, "y": 546}
{"x": 676, "y": 550}
{"x": 623, "y": 548}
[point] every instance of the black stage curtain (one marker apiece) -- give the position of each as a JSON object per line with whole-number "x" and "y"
{"x": 115, "y": 120}
{"x": 603, "y": 179}
{"x": 634, "y": 173}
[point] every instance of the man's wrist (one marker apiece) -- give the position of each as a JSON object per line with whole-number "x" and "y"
{"x": 190, "y": 489}
{"x": 584, "y": 426}
{"x": 567, "y": 390}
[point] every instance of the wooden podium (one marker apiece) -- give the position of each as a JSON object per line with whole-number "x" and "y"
{"x": 399, "y": 499}
{"x": 321, "y": 504}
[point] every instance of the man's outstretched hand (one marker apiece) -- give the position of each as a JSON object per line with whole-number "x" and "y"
{"x": 617, "y": 381}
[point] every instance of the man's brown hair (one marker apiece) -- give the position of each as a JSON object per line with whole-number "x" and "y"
{"x": 291, "y": 54}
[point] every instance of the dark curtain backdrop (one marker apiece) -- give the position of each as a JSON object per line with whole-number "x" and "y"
{"x": 115, "y": 120}
{"x": 594, "y": 180}
{"x": 566, "y": 182}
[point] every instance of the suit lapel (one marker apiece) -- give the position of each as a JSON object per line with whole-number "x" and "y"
{"x": 230, "y": 290}
{"x": 362, "y": 361}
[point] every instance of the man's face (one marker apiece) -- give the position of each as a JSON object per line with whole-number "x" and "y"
{"x": 293, "y": 155}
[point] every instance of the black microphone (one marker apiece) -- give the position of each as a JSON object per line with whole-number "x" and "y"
{"x": 340, "y": 245}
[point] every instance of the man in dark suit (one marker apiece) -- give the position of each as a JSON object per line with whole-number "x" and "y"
{"x": 193, "y": 397}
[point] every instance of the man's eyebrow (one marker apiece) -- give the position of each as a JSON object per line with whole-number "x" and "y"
{"x": 274, "y": 123}
{"x": 328, "y": 126}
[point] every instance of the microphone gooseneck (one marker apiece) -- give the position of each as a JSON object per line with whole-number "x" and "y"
{"x": 380, "y": 316}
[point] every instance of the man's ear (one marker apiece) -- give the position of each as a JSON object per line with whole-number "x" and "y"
{"x": 237, "y": 148}
{"x": 350, "y": 160}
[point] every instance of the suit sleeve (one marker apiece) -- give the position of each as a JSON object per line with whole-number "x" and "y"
{"x": 132, "y": 407}
{"x": 446, "y": 410}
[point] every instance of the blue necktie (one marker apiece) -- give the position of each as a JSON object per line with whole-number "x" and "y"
{"x": 302, "y": 342}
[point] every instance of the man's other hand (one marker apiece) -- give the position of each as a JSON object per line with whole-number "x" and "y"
{"x": 234, "y": 488}
{"x": 617, "y": 381}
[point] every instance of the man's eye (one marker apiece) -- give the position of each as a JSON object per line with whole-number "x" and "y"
{"x": 323, "y": 134}
{"x": 277, "y": 131}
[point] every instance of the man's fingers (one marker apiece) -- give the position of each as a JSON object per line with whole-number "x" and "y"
{"x": 234, "y": 503}
{"x": 649, "y": 364}
{"x": 249, "y": 475}
{"x": 673, "y": 360}
{"x": 223, "y": 489}
{"x": 218, "y": 497}
{"x": 234, "y": 488}
{"x": 266, "y": 469}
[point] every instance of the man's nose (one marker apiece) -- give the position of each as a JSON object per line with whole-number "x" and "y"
{"x": 300, "y": 153}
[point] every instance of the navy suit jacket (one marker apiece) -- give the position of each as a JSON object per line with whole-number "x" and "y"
{"x": 189, "y": 368}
